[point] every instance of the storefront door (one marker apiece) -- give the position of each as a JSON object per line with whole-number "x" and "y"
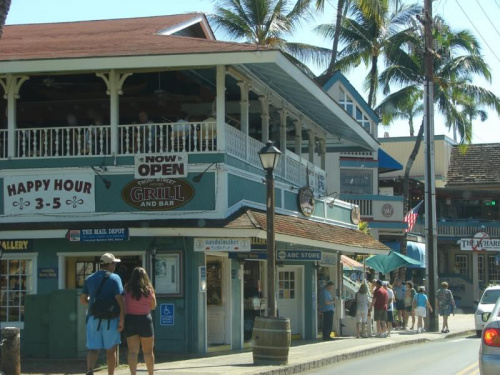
{"x": 291, "y": 297}
{"x": 218, "y": 300}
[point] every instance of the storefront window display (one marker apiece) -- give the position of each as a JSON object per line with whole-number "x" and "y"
{"x": 17, "y": 281}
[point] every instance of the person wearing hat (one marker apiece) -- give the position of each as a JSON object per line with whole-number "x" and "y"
{"x": 420, "y": 304}
{"x": 106, "y": 335}
{"x": 379, "y": 305}
{"x": 327, "y": 307}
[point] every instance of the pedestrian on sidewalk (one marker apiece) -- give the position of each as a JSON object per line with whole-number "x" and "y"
{"x": 327, "y": 308}
{"x": 390, "y": 306}
{"x": 420, "y": 304}
{"x": 140, "y": 299}
{"x": 103, "y": 333}
{"x": 446, "y": 304}
{"x": 399, "y": 289}
{"x": 379, "y": 305}
{"x": 362, "y": 305}
{"x": 409, "y": 311}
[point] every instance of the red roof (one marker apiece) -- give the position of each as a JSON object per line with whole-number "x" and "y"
{"x": 119, "y": 37}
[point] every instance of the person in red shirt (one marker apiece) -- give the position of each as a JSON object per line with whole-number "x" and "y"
{"x": 140, "y": 299}
{"x": 379, "y": 305}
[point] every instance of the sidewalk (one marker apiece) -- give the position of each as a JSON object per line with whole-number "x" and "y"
{"x": 305, "y": 355}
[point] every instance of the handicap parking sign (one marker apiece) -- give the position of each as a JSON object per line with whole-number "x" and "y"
{"x": 167, "y": 314}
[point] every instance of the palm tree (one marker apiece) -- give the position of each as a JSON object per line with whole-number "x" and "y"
{"x": 410, "y": 107}
{"x": 366, "y": 34}
{"x": 266, "y": 23}
{"x": 457, "y": 60}
{"x": 4, "y": 10}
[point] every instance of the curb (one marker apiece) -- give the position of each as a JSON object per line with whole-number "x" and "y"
{"x": 311, "y": 365}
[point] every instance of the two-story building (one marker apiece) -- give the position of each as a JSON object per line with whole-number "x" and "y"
{"x": 140, "y": 137}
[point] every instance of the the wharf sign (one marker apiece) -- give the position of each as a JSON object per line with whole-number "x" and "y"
{"x": 480, "y": 241}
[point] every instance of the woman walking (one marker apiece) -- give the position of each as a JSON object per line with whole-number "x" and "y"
{"x": 446, "y": 304}
{"x": 420, "y": 304}
{"x": 140, "y": 299}
{"x": 362, "y": 306}
{"x": 409, "y": 295}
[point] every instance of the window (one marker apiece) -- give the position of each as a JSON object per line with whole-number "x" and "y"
{"x": 17, "y": 280}
{"x": 82, "y": 271}
{"x": 356, "y": 181}
{"x": 493, "y": 271}
{"x": 461, "y": 263}
{"x": 286, "y": 282}
{"x": 362, "y": 119}
{"x": 480, "y": 266}
{"x": 346, "y": 103}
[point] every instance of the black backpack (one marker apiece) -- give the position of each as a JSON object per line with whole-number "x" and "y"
{"x": 104, "y": 308}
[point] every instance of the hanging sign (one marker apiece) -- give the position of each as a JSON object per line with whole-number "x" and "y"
{"x": 161, "y": 166}
{"x": 157, "y": 195}
{"x": 98, "y": 235}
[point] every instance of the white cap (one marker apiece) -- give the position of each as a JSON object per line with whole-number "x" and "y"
{"x": 109, "y": 258}
{"x": 385, "y": 283}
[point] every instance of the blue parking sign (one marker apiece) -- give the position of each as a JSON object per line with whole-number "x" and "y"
{"x": 167, "y": 314}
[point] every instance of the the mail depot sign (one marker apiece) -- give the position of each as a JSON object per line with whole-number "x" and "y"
{"x": 222, "y": 244}
{"x": 161, "y": 166}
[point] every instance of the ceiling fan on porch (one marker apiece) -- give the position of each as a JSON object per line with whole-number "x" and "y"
{"x": 51, "y": 83}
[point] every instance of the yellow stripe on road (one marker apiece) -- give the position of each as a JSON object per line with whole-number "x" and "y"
{"x": 470, "y": 370}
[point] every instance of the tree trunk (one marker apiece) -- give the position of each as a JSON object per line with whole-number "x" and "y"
{"x": 336, "y": 37}
{"x": 373, "y": 79}
{"x": 406, "y": 191}
{"x": 4, "y": 10}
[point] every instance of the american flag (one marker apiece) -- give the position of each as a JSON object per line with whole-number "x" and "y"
{"x": 411, "y": 217}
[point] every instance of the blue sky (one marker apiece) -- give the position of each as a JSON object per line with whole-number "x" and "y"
{"x": 478, "y": 16}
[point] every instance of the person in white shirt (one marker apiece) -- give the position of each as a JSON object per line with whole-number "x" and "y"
{"x": 390, "y": 306}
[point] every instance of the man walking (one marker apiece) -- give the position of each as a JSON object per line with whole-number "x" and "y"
{"x": 103, "y": 334}
{"x": 327, "y": 307}
{"x": 379, "y": 304}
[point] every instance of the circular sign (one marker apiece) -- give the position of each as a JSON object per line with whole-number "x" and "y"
{"x": 355, "y": 215}
{"x": 387, "y": 210}
{"x": 157, "y": 194}
{"x": 306, "y": 200}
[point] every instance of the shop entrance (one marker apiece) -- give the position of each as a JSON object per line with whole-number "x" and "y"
{"x": 254, "y": 303}
{"x": 218, "y": 300}
{"x": 291, "y": 297}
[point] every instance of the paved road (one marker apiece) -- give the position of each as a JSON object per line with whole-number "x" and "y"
{"x": 457, "y": 356}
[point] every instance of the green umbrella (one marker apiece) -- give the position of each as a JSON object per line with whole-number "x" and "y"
{"x": 390, "y": 262}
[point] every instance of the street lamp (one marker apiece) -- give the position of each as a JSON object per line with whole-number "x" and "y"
{"x": 269, "y": 157}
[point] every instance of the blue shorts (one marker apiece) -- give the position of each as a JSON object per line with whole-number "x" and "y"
{"x": 104, "y": 338}
{"x": 445, "y": 312}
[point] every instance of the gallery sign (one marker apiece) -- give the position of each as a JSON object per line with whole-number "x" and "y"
{"x": 161, "y": 166}
{"x": 49, "y": 194}
{"x": 221, "y": 244}
{"x": 157, "y": 194}
{"x": 16, "y": 244}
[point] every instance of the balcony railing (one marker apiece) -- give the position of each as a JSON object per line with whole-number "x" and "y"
{"x": 461, "y": 228}
{"x": 192, "y": 137}
{"x": 377, "y": 207}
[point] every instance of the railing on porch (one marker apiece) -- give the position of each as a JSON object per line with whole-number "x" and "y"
{"x": 192, "y": 137}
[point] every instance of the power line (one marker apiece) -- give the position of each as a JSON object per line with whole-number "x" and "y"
{"x": 479, "y": 33}
{"x": 486, "y": 15}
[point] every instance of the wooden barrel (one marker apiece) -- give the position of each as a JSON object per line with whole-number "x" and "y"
{"x": 271, "y": 339}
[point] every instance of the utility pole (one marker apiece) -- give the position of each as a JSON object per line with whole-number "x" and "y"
{"x": 430, "y": 177}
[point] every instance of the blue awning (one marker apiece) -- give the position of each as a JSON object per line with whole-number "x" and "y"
{"x": 386, "y": 163}
{"x": 414, "y": 250}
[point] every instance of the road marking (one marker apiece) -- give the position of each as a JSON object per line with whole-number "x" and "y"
{"x": 470, "y": 370}
{"x": 458, "y": 340}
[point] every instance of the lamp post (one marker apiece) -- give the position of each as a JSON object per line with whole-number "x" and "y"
{"x": 269, "y": 157}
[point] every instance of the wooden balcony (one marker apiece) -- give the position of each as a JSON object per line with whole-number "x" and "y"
{"x": 155, "y": 138}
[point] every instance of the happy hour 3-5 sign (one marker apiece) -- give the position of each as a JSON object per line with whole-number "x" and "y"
{"x": 49, "y": 194}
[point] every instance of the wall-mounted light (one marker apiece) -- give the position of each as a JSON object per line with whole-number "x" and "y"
{"x": 106, "y": 182}
{"x": 198, "y": 177}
